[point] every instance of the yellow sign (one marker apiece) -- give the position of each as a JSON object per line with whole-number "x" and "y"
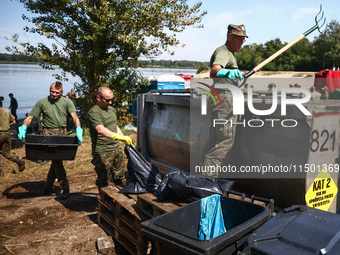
{"x": 323, "y": 190}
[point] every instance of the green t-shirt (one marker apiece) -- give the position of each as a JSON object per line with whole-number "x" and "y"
{"x": 5, "y": 118}
{"x": 54, "y": 113}
{"x": 106, "y": 117}
{"x": 224, "y": 57}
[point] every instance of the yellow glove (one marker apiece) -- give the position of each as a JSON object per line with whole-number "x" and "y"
{"x": 125, "y": 139}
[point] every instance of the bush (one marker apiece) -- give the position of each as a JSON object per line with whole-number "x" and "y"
{"x": 202, "y": 68}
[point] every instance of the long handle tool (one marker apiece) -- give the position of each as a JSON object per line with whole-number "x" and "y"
{"x": 289, "y": 45}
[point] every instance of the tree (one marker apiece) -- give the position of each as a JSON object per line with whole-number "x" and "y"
{"x": 93, "y": 38}
{"x": 327, "y": 45}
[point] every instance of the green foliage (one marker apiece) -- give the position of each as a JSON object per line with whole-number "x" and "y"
{"x": 202, "y": 68}
{"x": 120, "y": 82}
{"x": 17, "y": 59}
{"x": 300, "y": 57}
{"x": 183, "y": 64}
{"x": 327, "y": 45}
{"x": 93, "y": 38}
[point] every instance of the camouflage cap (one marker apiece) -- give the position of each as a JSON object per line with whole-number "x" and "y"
{"x": 239, "y": 30}
{"x": 272, "y": 85}
{"x": 324, "y": 88}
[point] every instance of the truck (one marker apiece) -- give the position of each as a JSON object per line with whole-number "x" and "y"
{"x": 168, "y": 139}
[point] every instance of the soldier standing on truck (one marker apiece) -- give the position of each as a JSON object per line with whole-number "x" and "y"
{"x": 224, "y": 65}
{"x": 54, "y": 109}
{"x": 108, "y": 156}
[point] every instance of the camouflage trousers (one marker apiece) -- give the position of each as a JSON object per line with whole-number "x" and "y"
{"x": 221, "y": 137}
{"x": 5, "y": 147}
{"x": 108, "y": 166}
{"x": 57, "y": 169}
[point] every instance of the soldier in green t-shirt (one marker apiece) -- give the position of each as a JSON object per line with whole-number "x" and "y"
{"x": 108, "y": 157}
{"x": 224, "y": 66}
{"x": 54, "y": 110}
{"x": 6, "y": 120}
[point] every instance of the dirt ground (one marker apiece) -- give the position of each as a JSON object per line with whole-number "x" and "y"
{"x": 31, "y": 223}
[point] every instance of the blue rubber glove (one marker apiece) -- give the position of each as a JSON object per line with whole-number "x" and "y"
{"x": 230, "y": 73}
{"x": 22, "y": 131}
{"x": 79, "y": 133}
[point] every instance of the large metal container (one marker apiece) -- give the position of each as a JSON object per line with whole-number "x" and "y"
{"x": 166, "y": 138}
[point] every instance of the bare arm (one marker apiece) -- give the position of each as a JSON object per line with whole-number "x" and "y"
{"x": 28, "y": 120}
{"x": 12, "y": 123}
{"x": 214, "y": 70}
{"x": 103, "y": 131}
{"x": 75, "y": 119}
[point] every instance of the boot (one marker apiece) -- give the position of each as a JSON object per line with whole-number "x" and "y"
{"x": 21, "y": 164}
{"x": 49, "y": 191}
{"x": 65, "y": 194}
{"x": 66, "y": 189}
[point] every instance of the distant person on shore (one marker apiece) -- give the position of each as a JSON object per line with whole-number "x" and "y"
{"x": 6, "y": 120}
{"x": 315, "y": 95}
{"x": 324, "y": 93}
{"x": 245, "y": 87}
{"x": 108, "y": 156}
{"x": 224, "y": 66}
{"x": 271, "y": 86}
{"x": 72, "y": 95}
{"x": 2, "y": 98}
{"x": 13, "y": 105}
{"x": 54, "y": 109}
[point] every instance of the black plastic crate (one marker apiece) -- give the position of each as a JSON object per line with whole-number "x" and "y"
{"x": 298, "y": 230}
{"x": 176, "y": 232}
{"x": 50, "y": 147}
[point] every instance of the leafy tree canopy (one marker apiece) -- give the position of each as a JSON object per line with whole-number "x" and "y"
{"x": 92, "y": 38}
{"x": 327, "y": 45}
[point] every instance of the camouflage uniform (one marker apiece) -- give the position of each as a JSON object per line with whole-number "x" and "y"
{"x": 108, "y": 156}
{"x": 109, "y": 166}
{"x": 5, "y": 139}
{"x": 5, "y": 150}
{"x": 221, "y": 138}
{"x": 57, "y": 169}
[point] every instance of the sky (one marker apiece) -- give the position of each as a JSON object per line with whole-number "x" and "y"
{"x": 264, "y": 20}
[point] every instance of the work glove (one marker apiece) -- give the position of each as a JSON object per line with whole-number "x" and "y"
{"x": 79, "y": 133}
{"x": 22, "y": 131}
{"x": 125, "y": 139}
{"x": 230, "y": 73}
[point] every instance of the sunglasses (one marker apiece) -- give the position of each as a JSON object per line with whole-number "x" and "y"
{"x": 107, "y": 100}
{"x": 239, "y": 39}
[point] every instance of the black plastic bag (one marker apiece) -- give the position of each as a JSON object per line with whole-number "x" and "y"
{"x": 181, "y": 185}
{"x": 143, "y": 176}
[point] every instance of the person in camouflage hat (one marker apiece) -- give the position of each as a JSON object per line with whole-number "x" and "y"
{"x": 108, "y": 157}
{"x": 223, "y": 62}
{"x": 224, "y": 67}
{"x": 6, "y": 120}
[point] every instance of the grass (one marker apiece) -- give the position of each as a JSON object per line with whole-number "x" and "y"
{"x": 82, "y": 161}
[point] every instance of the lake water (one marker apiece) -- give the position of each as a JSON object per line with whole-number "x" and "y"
{"x": 29, "y": 83}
